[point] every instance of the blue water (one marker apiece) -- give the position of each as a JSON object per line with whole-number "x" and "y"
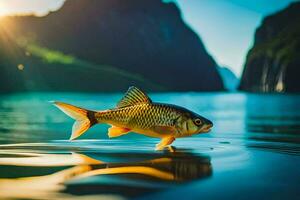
{"x": 252, "y": 151}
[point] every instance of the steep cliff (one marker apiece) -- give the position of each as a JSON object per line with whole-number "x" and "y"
{"x": 109, "y": 45}
{"x": 273, "y": 63}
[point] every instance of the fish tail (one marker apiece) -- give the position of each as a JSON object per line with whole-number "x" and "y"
{"x": 84, "y": 119}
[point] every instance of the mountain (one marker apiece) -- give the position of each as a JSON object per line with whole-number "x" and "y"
{"x": 273, "y": 63}
{"x": 229, "y": 78}
{"x": 106, "y": 46}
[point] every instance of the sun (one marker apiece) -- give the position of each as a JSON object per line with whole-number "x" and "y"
{"x": 2, "y": 10}
{"x": 5, "y": 10}
{"x": 29, "y": 7}
{"x": 10, "y": 7}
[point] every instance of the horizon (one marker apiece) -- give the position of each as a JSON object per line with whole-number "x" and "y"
{"x": 218, "y": 45}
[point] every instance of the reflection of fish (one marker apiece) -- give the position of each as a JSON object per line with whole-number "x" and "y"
{"x": 137, "y": 113}
{"x": 173, "y": 168}
{"x": 179, "y": 167}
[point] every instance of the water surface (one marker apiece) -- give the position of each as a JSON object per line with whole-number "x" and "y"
{"x": 252, "y": 151}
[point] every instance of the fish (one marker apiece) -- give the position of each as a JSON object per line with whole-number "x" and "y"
{"x": 136, "y": 112}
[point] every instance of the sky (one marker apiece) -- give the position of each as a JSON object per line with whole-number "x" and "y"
{"x": 226, "y": 27}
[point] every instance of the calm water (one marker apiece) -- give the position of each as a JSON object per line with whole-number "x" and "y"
{"x": 253, "y": 151}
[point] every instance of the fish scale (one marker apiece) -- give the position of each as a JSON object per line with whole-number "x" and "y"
{"x": 141, "y": 116}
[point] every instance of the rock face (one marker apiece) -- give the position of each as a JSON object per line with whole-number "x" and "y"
{"x": 109, "y": 45}
{"x": 273, "y": 63}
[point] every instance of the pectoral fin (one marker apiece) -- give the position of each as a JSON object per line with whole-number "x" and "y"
{"x": 164, "y": 143}
{"x": 115, "y": 131}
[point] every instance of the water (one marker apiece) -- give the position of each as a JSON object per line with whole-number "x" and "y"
{"x": 252, "y": 151}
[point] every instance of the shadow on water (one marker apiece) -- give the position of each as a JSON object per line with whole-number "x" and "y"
{"x": 44, "y": 175}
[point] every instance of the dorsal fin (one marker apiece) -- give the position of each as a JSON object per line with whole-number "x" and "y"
{"x": 132, "y": 97}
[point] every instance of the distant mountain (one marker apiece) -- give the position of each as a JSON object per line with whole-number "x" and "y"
{"x": 229, "y": 78}
{"x": 273, "y": 63}
{"x": 105, "y": 46}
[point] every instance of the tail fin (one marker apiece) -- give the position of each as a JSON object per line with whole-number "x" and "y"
{"x": 84, "y": 118}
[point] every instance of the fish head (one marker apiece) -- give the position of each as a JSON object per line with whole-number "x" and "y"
{"x": 192, "y": 123}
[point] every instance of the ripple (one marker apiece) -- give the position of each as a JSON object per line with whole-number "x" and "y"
{"x": 285, "y": 148}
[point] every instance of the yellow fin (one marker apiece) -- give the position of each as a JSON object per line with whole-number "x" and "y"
{"x": 133, "y": 96}
{"x": 164, "y": 143}
{"x": 115, "y": 131}
{"x": 84, "y": 119}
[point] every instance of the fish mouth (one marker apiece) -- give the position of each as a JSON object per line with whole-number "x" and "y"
{"x": 206, "y": 129}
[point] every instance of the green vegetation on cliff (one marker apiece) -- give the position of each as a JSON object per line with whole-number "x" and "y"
{"x": 273, "y": 63}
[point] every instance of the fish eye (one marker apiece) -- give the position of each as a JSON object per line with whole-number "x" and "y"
{"x": 198, "y": 122}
